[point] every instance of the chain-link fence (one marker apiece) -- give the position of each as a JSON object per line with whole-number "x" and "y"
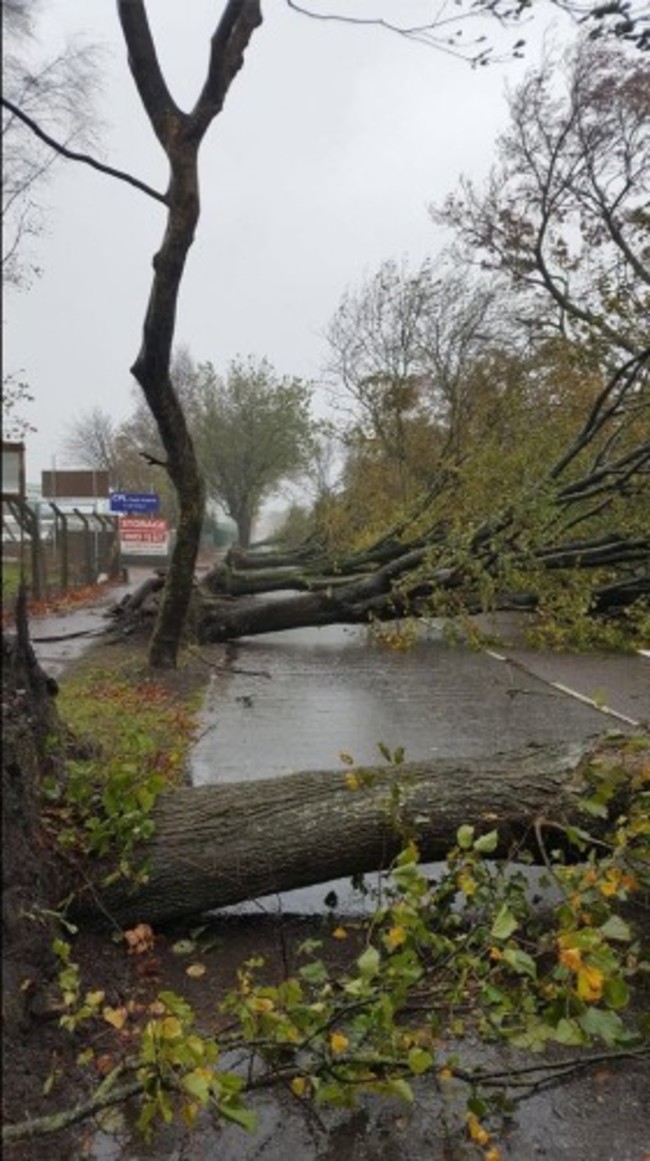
{"x": 56, "y": 550}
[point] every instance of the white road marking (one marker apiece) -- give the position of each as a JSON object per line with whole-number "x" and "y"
{"x": 604, "y": 709}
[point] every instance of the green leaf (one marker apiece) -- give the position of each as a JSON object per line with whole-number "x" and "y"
{"x": 616, "y": 993}
{"x": 184, "y": 947}
{"x": 606, "y": 1025}
{"x": 522, "y": 963}
{"x": 487, "y": 843}
{"x": 313, "y": 973}
{"x": 504, "y": 923}
{"x": 198, "y": 1086}
{"x": 399, "y": 1088}
{"x": 309, "y": 945}
{"x": 597, "y": 809}
{"x": 419, "y": 1061}
{"x": 569, "y": 1032}
{"x": 477, "y": 1106}
{"x": 368, "y": 962}
{"x": 616, "y": 928}
{"x": 465, "y": 837}
{"x": 240, "y": 1115}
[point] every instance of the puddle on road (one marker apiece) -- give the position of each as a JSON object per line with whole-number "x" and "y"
{"x": 329, "y": 690}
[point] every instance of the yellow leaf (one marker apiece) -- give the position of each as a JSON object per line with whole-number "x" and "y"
{"x": 351, "y": 781}
{"x": 590, "y": 983}
{"x": 493, "y": 1154}
{"x": 339, "y": 933}
{"x": 476, "y": 1130}
{"x": 338, "y": 1043}
{"x": 396, "y": 937}
{"x": 445, "y": 1074}
{"x": 299, "y": 1085}
{"x": 189, "y": 1113}
{"x": 571, "y": 958}
{"x": 261, "y": 1004}
{"x": 466, "y": 883}
{"x": 115, "y": 1016}
{"x": 94, "y": 998}
{"x": 171, "y": 1027}
{"x": 195, "y": 971}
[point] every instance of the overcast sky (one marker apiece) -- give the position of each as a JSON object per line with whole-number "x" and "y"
{"x": 332, "y": 143}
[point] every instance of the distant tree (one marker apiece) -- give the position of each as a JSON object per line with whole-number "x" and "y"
{"x": 57, "y": 92}
{"x": 91, "y": 440}
{"x": 15, "y": 394}
{"x": 254, "y": 431}
{"x": 565, "y": 212}
{"x": 400, "y": 350}
{"x": 131, "y": 451}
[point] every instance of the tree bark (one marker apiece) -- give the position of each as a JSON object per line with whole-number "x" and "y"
{"x": 219, "y": 845}
{"x": 180, "y": 135}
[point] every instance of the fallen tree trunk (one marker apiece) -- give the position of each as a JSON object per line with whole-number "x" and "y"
{"x": 218, "y": 845}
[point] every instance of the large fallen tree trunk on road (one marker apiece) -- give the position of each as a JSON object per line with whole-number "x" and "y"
{"x": 218, "y": 845}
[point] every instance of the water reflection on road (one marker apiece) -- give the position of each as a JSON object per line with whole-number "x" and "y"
{"x": 331, "y": 690}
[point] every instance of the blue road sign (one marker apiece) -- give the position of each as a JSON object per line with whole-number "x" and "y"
{"x": 131, "y": 502}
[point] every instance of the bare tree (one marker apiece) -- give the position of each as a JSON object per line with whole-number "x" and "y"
{"x": 564, "y": 214}
{"x": 58, "y": 93}
{"x": 90, "y": 441}
{"x": 401, "y": 348}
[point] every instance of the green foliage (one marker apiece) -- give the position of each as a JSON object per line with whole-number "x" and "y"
{"x": 11, "y": 577}
{"x": 253, "y": 431}
{"x": 467, "y": 953}
{"x": 139, "y": 734}
{"x": 177, "y": 1068}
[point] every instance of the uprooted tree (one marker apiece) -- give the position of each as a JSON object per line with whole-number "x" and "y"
{"x": 499, "y": 458}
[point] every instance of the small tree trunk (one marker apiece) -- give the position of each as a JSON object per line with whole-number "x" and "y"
{"x": 180, "y": 135}
{"x": 244, "y": 529}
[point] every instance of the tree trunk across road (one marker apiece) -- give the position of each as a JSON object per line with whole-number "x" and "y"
{"x": 218, "y": 845}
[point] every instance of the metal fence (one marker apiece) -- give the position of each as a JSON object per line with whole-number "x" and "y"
{"x": 58, "y": 550}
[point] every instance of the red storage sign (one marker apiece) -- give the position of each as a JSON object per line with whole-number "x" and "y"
{"x": 140, "y": 534}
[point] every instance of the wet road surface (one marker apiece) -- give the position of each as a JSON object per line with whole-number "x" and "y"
{"x": 329, "y": 690}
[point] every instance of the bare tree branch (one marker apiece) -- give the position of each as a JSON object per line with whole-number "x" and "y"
{"x": 85, "y": 158}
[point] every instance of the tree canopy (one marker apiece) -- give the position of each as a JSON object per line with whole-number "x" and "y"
{"x": 254, "y": 431}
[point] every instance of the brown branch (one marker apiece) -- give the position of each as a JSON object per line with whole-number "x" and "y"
{"x": 84, "y": 158}
{"x": 55, "y": 1122}
{"x": 231, "y": 37}
{"x": 159, "y": 105}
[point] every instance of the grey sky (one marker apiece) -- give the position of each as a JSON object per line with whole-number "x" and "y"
{"x": 332, "y": 143}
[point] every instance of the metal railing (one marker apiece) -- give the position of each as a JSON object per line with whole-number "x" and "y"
{"x": 56, "y": 551}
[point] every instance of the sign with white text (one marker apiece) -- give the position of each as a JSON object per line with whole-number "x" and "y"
{"x": 131, "y": 502}
{"x": 142, "y": 536}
